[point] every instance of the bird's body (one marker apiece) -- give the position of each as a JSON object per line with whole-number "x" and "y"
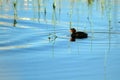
{"x": 78, "y": 35}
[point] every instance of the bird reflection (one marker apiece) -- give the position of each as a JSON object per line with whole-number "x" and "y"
{"x": 72, "y": 39}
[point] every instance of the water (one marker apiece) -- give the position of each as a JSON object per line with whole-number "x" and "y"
{"x": 35, "y": 40}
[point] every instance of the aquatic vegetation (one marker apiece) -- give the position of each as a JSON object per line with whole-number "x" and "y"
{"x": 54, "y": 12}
{"x": 1, "y": 4}
{"x": 78, "y": 13}
{"x": 43, "y": 32}
{"x": 45, "y": 10}
{"x": 52, "y": 38}
{"x": 15, "y": 13}
{"x": 39, "y": 8}
{"x": 71, "y": 12}
{"x": 59, "y": 2}
{"x": 54, "y": 6}
{"x": 90, "y": 2}
{"x": 54, "y": 18}
{"x": 15, "y": 9}
{"x": 34, "y": 10}
{"x": 102, "y": 5}
{"x": 110, "y": 16}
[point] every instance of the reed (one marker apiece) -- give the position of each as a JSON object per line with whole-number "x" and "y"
{"x": 78, "y": 12}
{"x": 71, "y": 12}
{"x": 45, "y": 10}
{"x": 15, "y": 13}
{"x": 39, "y": 9}
{"x": 34, "y": 9}
{"x": 90, "y": 2}
{"x": 1, "y": 5}
{"x": 60, "y": 4}
{"x": 52, "y": 38}
{"x": 89, "y": 18}
{"x": 110, "y": 19}
{"x": 102, "y": 6}
{"x": 54, "y": 18}
{"x": 54, "y": 12}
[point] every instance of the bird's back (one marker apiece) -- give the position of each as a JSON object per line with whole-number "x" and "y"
{"x": 81, "y": 35}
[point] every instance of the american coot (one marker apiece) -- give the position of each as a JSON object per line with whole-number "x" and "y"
{"x": 77, "y": 35}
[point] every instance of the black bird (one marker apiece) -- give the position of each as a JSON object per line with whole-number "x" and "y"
{"x": 77, "y": 35}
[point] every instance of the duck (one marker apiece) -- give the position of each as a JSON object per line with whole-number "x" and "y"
{"x": 77, "y": 34}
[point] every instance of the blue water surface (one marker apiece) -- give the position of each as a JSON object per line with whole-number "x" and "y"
{"x": 35, "y": 45}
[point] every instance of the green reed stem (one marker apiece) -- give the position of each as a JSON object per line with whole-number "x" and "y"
{"x": 54, "y": 13}
{"x": 15, "y": 13}
{"x": 34, "y": 9}
{"x": 78, "y": 13}
{"x": 45, "y": 10}
{"x": 71, "y": 12}
{"x": 90, "y": 2}
{"x": 59, "y": 8}
{"x": 102, "y": 6}
{"x": 39, "y": 7}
